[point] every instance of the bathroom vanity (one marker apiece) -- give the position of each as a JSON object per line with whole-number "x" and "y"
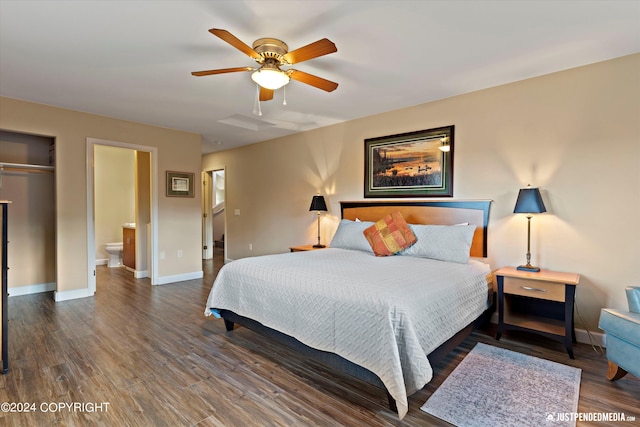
{"x": 129, "y": 247}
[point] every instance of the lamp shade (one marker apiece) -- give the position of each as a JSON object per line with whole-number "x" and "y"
{"x": 529, "y": 201}
{"x": 318, "y": 204}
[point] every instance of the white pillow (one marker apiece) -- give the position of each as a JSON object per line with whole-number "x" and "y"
{"x": 350, "y": 235}
{"x": 441, "y": 242}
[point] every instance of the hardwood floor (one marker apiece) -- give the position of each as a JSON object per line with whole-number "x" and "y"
{"x": 151, "y": 358}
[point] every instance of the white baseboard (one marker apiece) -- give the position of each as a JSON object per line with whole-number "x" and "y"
{"x": 140, "y": 274}
{"x": 31, "y": 289}
{"x": 599, "y": 338}
{"x": 582, "y": 335}
{"x": 179, "y": 277}
{"x": 137, "y": 274}
{"x": 104, "y": 261}
{"x": 73, "y": 294}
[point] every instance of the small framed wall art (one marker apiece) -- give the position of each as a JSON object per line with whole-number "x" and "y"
{"x": 414, "y": 164}
{"x": 180, "y": 184}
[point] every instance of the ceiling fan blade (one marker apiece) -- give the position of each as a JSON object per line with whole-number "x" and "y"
{"x": 266, "y": 94}
{"x": 235, "y": 42}
{"x": 220, "y": 71}
{"x": 312, "y": 80}
{"x": 310, "y": 51}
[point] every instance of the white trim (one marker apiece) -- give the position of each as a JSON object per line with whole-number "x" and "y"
{"x": 103, "y": 261}
{"x": 179, "y": 277}
{"x": 31, "y": 289}
{"x": 599, "y": 338}
{"x": 140, "y": 274}
{"x": 207, "y": 175}
{"x": 91, "y": 238}
{"x": 137, "y": 274}
{"x": 91, "y": 246}
{"x": 73, "y": 294}
{"x": 207, "y": 217}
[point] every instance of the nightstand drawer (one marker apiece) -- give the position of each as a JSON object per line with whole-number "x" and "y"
{"x": 534, "y": 288}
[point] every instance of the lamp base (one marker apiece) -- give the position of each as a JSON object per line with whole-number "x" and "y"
{"x": 528, "y": 267}
{"x": 319, "y": 246}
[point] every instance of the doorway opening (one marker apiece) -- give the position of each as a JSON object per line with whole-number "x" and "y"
{"x": 27, "y": 180}
{"x": 213, "y": 212}
{"x": 110, "y": 220}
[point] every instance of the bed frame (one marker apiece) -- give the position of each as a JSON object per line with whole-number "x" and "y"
{"x": 446, "y": 212}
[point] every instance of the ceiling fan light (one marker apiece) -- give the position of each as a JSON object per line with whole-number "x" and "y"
{"x": 270, "y": 79}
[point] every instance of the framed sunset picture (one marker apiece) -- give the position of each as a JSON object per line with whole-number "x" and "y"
{"x": 413, "y": 164}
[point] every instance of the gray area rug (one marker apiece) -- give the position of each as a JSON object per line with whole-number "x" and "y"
{"x": 497, "y": 387}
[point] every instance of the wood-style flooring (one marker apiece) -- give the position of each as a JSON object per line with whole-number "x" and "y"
{"x": 151, "y": 354}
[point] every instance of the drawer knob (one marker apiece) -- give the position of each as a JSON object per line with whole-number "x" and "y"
{"x": 529, "y": 288}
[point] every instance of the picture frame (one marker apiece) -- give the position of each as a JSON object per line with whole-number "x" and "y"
{"x": 180, "y": 184}
{"x": 413, "y": 164}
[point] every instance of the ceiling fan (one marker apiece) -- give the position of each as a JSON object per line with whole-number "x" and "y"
{"x": 272, "y": 54}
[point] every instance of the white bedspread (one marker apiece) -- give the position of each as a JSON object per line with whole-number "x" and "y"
{"x": 383, "y": 313}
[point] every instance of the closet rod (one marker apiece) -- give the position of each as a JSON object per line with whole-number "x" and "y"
{"x": 26, "y": 167}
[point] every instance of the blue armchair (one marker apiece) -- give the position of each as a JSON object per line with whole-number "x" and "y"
{"x": 623, "y": 336}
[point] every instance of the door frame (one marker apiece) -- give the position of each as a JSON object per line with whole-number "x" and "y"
{"x": 207, "y": 217}
{"x": 207, "y": 222}
{"x": 91, "y": 238}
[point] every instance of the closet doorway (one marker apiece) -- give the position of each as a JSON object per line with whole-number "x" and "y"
{"x": 27, "y": 179}
{"x": 144, "y": 210}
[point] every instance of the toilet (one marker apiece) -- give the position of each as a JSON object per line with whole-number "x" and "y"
{"x": 115, "y": 254}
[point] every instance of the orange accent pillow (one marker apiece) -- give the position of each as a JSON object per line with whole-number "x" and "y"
{"x": 390, "y": 235}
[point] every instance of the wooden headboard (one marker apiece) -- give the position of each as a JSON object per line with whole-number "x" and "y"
{"x": 443, "y": 212}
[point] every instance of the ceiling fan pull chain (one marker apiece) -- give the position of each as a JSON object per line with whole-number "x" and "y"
{"x": 256, "y": 107}
{"x": 284, "y": 95}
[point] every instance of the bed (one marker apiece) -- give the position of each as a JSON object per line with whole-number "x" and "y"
{"x": 382, "y": 319}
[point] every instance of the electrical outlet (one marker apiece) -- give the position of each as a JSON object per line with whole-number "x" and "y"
{"x": 179, "y": 253}
{"x": 250, "y": 246}
{"x": 236, "y": 212}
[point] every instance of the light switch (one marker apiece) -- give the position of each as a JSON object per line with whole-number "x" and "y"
{"x": 236, "y": 212}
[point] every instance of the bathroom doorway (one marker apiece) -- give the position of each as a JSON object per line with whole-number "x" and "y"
{"x": 213, "y": 212}
{"x": 123, "y": 208}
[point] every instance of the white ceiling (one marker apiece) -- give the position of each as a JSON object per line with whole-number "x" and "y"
{"x": 132, "y": 59}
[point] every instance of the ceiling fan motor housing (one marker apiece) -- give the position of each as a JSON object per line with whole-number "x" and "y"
{"x": 271, "y": 48}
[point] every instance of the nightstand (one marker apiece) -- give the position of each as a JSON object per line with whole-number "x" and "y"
{"x": 304, "y": 248}
{"x": 539, "y": 302}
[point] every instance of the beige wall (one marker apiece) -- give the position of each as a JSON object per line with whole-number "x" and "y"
{"x": 114, "y": 194}
{"x": 575, "y": 134}
{"x": 178, "y": 218}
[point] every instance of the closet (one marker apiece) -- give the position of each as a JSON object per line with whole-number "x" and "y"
{"x": 27, "y": 179}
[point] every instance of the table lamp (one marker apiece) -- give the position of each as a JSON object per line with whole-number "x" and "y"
{"x": 318, "y": 205}
{"x": 529, "y": 202}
